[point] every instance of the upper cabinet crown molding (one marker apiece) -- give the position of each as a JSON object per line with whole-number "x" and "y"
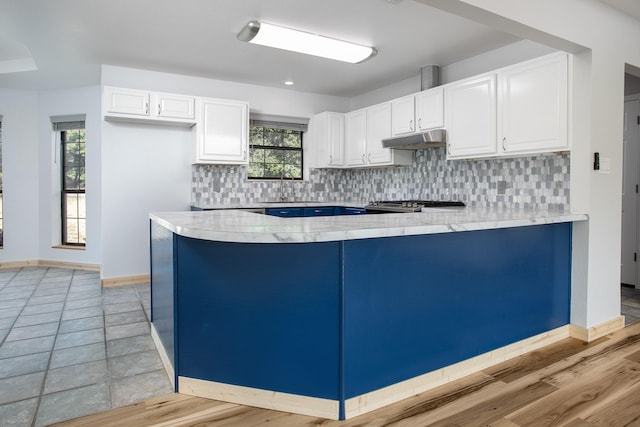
{"x": 139, "y": 106}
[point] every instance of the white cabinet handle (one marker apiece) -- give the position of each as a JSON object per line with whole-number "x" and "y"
{"x": 449, "y": 149}
{"x": 504, "y": 143}
{"x": 244, "y": 154}
{"x": 146, "y": 108}
{"x": 420, "y": 123}
{"x": 159, "y": 109}
{"x": 369, "y": 157}
{"x": 363, "y": 158}
{"x": 330, "y": 159}
{"x": 411, "y": 125}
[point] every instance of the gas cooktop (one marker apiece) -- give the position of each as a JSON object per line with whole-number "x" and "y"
{"x": 410, "y": 205}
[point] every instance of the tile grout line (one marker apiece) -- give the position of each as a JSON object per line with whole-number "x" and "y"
{"x": 46, "y": 371}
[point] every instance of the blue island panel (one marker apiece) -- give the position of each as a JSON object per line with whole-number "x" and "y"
{"x": 162, "y": 289}
{"x": 260, "y": 315}
{"x": 418, "y": 303}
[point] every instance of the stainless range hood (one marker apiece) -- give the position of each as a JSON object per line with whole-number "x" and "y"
{"x": 416, "y": 141}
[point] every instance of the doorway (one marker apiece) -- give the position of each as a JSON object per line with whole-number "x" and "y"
{"x": 630, "y": 246}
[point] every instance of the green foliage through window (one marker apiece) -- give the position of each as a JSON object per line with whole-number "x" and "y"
{"x": 275, "y": 153}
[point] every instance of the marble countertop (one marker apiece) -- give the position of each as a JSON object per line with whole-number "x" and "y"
{"x": 231, "y": 225}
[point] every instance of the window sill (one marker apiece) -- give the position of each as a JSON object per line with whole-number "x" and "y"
{"x": 74, "y": 248}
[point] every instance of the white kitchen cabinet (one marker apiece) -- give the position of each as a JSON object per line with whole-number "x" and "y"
{"x": 174, "y": 106}
{"x": 418, "y": 112}
{"x": 364, "y": 131}
{"x": 430, "y": 109}
{"x": 127, "y": 101}
{"x": 403, "y": 115}
{"x": 328, "y": 129}
{"x": 378, "y": 128}
{"x": 223, "y": 131}
{"x": 137, "y": 106}
{"x": 533, "y": 107}
{"x": 355, "y": 130}
{"x": 470, "y": 117}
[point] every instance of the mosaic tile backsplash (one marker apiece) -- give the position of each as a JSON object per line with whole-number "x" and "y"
{"x": 538, "y": 182}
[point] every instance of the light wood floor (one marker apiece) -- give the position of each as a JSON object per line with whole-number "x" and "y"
{"x": 569, "y": 383}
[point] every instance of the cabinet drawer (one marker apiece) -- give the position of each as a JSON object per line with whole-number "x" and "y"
{"x": 321, "y": 211}
{"x": 350, "y": 211}
{"x": 284, "y": 212}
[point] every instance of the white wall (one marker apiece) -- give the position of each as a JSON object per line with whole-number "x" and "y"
{"x": 147, "y": 168}
{"x": 597, "y": 126}
{"x": 83, "y": 100}
{"x": 20, "y": 174}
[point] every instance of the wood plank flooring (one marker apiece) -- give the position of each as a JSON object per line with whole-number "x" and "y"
{"x": 569, "y": 383}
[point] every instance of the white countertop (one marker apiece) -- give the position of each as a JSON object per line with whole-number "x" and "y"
{"x": 248, "y": 227}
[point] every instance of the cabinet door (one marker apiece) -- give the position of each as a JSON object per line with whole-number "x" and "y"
{"x": 174, "y": 106}
{"x": 126, "y": 101}
{"x": 430, "y": 109}
{"x": 403, "y": 115}
{"x": 533, "y": 107}
{"x": 336, "y": 139}
{"x": 470, "y": 117}
{"x": 355, "y": 125}
{"x": 285, "y": 212}
{"x": 378, "y": 128}
{"x": 328, "y": 131}
{"x": 222, "y": 131}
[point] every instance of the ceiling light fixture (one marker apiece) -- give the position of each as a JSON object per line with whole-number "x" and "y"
{"x": 300, "y": 41}
{"x": 289, "y": 82}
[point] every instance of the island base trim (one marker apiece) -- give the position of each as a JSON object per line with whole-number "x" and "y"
{"x": 598, "y": 331}
{"x": 268, "y": 399}
{"x": 396, "y": 392}
{"x": 164, "y": 357}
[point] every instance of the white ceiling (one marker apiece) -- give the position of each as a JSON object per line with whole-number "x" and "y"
{"x": 69, "y": 39}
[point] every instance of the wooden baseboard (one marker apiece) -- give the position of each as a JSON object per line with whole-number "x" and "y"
{"x": 598, "y": 331}
{"x": 163, "y": 356}
{"x": 400, "y": 391}
{"x": 313, "y": 406}
{"x": 127, "y": 280}
{"x": 65, "y": 264}
{"x": 18, "y": 264}
{"x": 49, "y": 263}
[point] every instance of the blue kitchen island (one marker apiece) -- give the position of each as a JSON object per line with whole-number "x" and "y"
{"x": 337, "y": 316}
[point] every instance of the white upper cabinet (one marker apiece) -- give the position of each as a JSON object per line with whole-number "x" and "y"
{"x": 418, "y": 112}
{"x": 138, "y": 106}
{"x": 355, "y": 131}
{"x": 532, "y": 107}
{"x": 175, "y": 106}
{"x": 470, "y": 117}
{"x": 403, "y": 115}
{"x": 430, "y": 109}
{"x": 328, "y": 129}
{"x": 127, "y": 101}
{"x": 378, "y": 128}
{"x": 223, "y": 131}
{"x": 364, "y": 131}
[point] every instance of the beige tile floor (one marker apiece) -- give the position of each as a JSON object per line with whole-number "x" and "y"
{"x": 70, "y": 348}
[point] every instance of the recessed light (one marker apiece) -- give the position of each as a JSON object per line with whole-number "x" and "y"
{"x": 289, "y": 82}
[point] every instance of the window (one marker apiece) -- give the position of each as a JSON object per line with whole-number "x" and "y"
{"x": 70, "y": 134}
{"x": 74, "y": 218}
{"x": 275, "y": 147}
{"x": 275, "y": 153}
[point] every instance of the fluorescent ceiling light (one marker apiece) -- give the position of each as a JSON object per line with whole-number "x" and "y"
{"x": 300, "y": 41}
